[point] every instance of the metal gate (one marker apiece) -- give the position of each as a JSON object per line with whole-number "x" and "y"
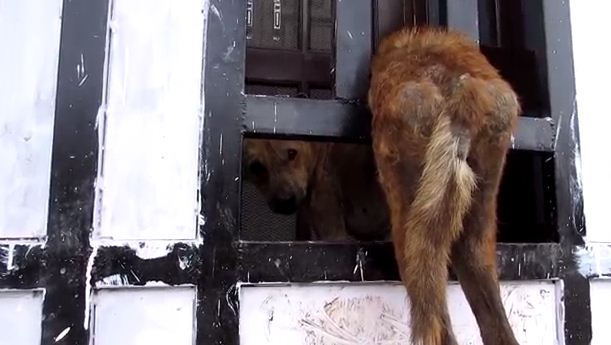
{"x": 139, "y": 142}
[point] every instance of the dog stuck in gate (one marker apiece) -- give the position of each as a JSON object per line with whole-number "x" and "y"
{"x": 442, "y": 124}
{"x": 332, "y": 187}
{"x": 443, "y": 118}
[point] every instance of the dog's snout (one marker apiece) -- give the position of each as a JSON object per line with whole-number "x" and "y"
{"x": 286, "y": 205}
{"x": 257, "y": 168}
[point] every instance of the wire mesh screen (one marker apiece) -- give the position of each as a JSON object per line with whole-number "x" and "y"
{"x": 321, "y": 25}
{"x": 259, "y": 223}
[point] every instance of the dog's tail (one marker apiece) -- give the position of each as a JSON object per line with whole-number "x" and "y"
{"x": 435, "y": 219}
{"x": 445, "y": 189}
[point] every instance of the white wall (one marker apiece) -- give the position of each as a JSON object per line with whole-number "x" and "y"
{"x": 589, "y": 22}
{"x": 29, "y": 55}
{"x": 592, "y": 55}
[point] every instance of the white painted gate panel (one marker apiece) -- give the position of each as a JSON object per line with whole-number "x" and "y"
{"x": 144, "y": 316}
{"x": 20, "y": 317}
{"x": 148, "y": 186}
{"x": 326, "y": 314}
{"x": 600, "y": 302}
{"x": 29, "y": 44}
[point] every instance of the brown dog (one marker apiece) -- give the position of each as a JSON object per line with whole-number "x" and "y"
{"x": 443, "y": 118}
{"x": 332, "y": 187}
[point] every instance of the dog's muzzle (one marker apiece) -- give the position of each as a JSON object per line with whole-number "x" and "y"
{"x": 284, "y": 206}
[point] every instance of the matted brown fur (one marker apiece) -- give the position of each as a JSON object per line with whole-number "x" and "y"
{"x": 442, "y": 124}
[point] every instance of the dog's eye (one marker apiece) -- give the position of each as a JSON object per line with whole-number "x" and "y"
{"x": 291, "y": 153}
{"x": 256, "y": 168}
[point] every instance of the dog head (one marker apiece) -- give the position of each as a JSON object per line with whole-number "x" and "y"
{"x": 281, "y": 170}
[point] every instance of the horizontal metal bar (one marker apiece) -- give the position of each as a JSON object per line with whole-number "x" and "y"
{"x": 301, "y": 262}
{"x": 120, "y": 265}
{"x": 311, "y": 261}
{"x": 306, "y": 117}
{"x": 304, "y": 262}
{"x": 266, "y": 115}
{"x": 535, "y": 134}
{"x": 288, "y": 66}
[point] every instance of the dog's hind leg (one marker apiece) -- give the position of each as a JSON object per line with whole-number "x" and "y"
{"x": 474, "y": 262}
{"x": 422, "y": 260}
{"x": 474, "y": 254}
{"x": 421, "y": 158}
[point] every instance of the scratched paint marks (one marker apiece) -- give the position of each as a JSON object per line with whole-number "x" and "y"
{"x": 144, "y": 315}
{"x": 151, "y": 122}
{"x": 20, "y": 316}
{"x": 346, "y": 320}
{"x": 29, "y": 37}
{"x": 334, "y": 314}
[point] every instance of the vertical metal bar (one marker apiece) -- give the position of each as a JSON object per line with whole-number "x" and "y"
{"x": 352, "y": 48}
{"x": 390, "y": 15}
{"x": 561, "y": 86}
{"x": 74, "y": 167}
{"x": 225, "y": 47}
{"x": 488, "y": 22}
{"x": 433, "y": 9}
{"x": 462, "y": 15}
{"x": 569, "y": 199}
{"x": 305, "y": 43}
{"x": 497, "y": 17}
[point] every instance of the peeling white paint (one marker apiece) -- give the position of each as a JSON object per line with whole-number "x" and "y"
{"x": 600, "y": 297}
{"x": 143, "y": 316}
{"x": 20, "y": 315}
{"x": 29, "y": 40}
{"x": 10, "y": 257}
{"x": 592, "y": 72}
{"x": 145, "y": 249}
{"x": 152, "y": 121}
{"x": 88, "y": 287}
{"x": 593, "y": 260}
{"x": 378, "y": 314}
{"x": 113, "y": 280}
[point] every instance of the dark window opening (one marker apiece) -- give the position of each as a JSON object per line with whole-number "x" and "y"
{"x": 289, "y": 48}
{"x": 296, "y": 59}
{"x": 512, "y": 35}
{"x": 526, "y": 211}
{"x": 526, "y": 200}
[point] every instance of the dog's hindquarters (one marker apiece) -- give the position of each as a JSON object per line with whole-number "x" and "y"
{"x": 426, "y": 141}
{"x": 421, "y": 148}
